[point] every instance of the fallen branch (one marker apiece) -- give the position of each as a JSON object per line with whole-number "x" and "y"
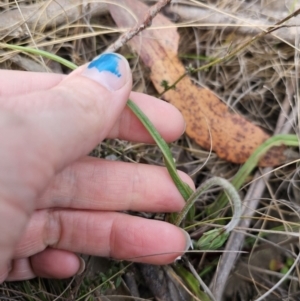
{"x": 45, "y": 15}
{"x": 236, "y": 17}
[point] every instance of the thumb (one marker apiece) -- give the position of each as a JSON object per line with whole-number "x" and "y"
{"x": 98, "y": 92}
{"x": 68, "y": 120}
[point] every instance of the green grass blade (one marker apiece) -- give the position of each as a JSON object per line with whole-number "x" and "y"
{"x": 241, "y": 176}
{"x": 183, "y": 188}
{"x": 42, "y": 53}
{"x": 191, "y": 282}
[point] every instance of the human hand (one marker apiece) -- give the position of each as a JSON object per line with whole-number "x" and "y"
{"x": 54, "y": 200}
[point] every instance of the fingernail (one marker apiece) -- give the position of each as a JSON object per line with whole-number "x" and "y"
{"x": 81, "y": 267}
{"x": 108, "y": 69}
{"x": 189, "y": 243}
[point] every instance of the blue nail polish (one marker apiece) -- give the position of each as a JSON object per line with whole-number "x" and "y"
{"x": 110, "y": 70}
{"x": 107, "y": 62}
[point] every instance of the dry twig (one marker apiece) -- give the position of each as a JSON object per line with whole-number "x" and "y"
{"x": 143, "y": 24}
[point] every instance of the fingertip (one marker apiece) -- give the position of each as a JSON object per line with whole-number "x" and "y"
{"x": 174, "y": 126}
{"x": 59, "y": 264}
{"x": 166, "y": 118}
{"x": 147, "y": 241}
{"x": 111, "y": 70}
{"x": 186, "y": 179}
{"x": 180, "y": 120}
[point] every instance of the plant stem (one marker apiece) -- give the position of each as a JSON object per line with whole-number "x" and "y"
{"x": 241, "y": 176}
{"x": 183, "y": 188}
{"x": 230, "y": 190}
{"x": 41, "y": 53}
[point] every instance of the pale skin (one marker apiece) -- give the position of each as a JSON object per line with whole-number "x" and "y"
{"x": 55, "y": 202}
